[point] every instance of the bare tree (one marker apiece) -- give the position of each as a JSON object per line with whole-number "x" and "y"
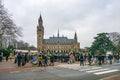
{"x": 115, "y": 38}
{"x": 7, "y": 26}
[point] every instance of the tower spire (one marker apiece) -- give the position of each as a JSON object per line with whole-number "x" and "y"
{"x": 58, "y": 33}
{"x": 75, "y": 37}
{"x": 40, "y": 24}
{"x": 40, "y": 21}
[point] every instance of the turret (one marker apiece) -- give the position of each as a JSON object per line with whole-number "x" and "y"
{"x": 75, "y": 37}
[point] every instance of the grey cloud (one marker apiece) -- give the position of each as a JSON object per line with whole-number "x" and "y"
{"x": 86, "y": 17}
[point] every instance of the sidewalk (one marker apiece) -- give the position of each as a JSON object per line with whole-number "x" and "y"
{"x": 10, "y": 66}
{"x": 117, "y": 77}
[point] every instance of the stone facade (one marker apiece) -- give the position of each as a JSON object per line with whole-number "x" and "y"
{"x": 61, "y": 44}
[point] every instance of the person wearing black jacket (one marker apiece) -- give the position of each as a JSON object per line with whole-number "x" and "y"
{"x": 52, "y": 60}
{"x": 81, "y": 58}
{"x": 110, "y": 57}
{"x": 19, "y": 59}
{"x": 89, "y": 58}
{"x": 100, "y": 59}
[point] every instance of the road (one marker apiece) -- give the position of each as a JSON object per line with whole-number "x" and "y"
{"x": 64, "y": 72}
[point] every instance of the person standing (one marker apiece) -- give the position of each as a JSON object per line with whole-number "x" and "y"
{"x": 117, "y": 57}
{"x": 100, "y": 59}
{"x": 15, "y": 61}
{"x": 19, "y": 59}
{"x": 40, "y": 60}
{"x": 26, "y": 58}
{"x": 103, "y": 58}
{"x": 11, "y": 56}
{"x": 89, "y": 59}
{"x": 6, "y": 57}
{"x": 46, "y": 60}
{"x": 0, "y": 57}
{"x": 81, "y": 58}
{"x": 85, "y": 58}
{"x": 23, "y": 59}
{"x": 110, "y": 57}
{"x": 52, "y": 60}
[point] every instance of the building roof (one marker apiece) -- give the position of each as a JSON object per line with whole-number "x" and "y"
{"x": 61, "y": 40}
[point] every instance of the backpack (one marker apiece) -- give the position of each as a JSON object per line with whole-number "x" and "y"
{"x": 81, "y": 57}
{"x": 39, "y": 58}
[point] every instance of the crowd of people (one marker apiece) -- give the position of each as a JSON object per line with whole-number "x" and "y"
{"x": 48, "y": 59}
{"x": 36, "y": 59}
{"x": 100, "y": 59}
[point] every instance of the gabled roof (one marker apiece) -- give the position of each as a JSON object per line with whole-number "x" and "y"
{"x": 61, "y": 40}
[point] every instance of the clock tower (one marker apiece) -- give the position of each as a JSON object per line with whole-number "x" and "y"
{"x": 40, "y": 34}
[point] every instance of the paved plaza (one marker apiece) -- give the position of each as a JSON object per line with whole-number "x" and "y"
{"x": 61, "y": 71}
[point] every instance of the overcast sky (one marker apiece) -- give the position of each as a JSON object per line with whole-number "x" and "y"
{"x": 86, "y": 17}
